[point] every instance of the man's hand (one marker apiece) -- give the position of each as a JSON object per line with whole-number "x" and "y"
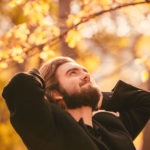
{"x": 35, "y": 73}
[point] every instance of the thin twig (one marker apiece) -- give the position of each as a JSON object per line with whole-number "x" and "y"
{"x": 83, "y": 20}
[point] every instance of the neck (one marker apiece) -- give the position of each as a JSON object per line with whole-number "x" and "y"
{"x": 84, "y": 112}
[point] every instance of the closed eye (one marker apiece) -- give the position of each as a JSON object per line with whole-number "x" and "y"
{"x": 72, "y": 71}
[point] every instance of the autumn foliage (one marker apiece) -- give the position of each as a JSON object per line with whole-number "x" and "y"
{"x": 110, "y": 37}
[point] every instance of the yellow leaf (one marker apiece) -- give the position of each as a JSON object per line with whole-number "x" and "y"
{"x": 16, "y": 51}
{"x": 18, "y": 59}
{"x": 47, "y": 53}
{"x": 106, "y": 3}
{"x": 85, "y": 2}
{"x": 73, "y": 37}
{"x": 144, "y": 75}
{"x": 142, "y": 47}
{"x": 89, "y": 60}
{"x": 55, "y": 31}
{"x": 43, "y": 55}
{"x": 3, "y": 65}
{"x": 38, "y": 9}
{"x": 13, "y": 3}
{"x": 72, "y": 19}
{"x": 4, "y": 54}
{"x": 137, "y": 0}
{"x": 21, "y": 32}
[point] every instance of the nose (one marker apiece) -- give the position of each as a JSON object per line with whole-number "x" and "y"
{"x": 85, "y": 76}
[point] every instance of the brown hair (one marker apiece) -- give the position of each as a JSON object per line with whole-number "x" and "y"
{"x": 48, "y": 73}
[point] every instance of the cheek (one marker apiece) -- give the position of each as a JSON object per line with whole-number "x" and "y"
{"x": 70, "y": 86}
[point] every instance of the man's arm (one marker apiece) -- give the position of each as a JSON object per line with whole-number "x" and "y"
{"x": 132, "y": 103}
{"x": 30, "y": 115}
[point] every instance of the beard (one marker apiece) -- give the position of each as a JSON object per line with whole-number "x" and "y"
{"x": 86, "y": 97}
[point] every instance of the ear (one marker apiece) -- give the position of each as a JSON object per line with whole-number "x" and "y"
{"x": 56, "y": 95}
{"x": 58, "y": 98}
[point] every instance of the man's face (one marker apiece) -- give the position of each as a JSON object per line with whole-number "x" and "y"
{"x": 77, "y": 86}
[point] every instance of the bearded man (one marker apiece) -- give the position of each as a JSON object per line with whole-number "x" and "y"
{"x": 52, "y": 109}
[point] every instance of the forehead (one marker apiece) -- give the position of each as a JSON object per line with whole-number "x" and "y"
{"x": 67, "y": 66}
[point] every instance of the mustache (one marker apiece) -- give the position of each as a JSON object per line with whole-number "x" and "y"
{"x": 84, "y": 82}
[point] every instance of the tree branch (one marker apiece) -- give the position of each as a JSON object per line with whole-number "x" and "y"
{"x": 83, "y": 20}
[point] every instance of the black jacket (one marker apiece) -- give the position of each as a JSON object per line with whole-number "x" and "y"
{"x": 44, "y": 126}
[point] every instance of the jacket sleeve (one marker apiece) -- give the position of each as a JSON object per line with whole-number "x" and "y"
{"x": 30, "y": 114}
{"x": 132, "y": 103}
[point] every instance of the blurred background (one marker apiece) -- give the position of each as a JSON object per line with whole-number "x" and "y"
{"x": 109, "y": 37}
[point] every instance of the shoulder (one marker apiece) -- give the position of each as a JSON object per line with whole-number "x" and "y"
{"x": 108, "y": 119}
{"x": 103, "y": 116}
